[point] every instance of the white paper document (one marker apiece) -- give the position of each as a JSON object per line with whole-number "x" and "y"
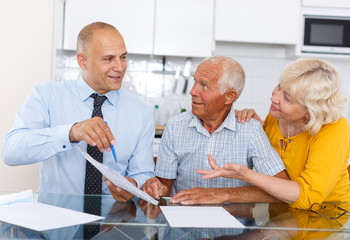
{"x": 42, "y": 217}
{"x": 117, "y": 179}
{"x": 24, "y": 196}
{"x": 201, "y": 217}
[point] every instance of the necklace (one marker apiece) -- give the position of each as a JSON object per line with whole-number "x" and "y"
{"x": 283, "y": 142}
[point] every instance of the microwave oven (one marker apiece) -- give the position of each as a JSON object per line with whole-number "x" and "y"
{"x": 325, "y": 34}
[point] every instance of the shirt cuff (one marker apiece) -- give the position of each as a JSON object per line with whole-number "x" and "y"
{"x": 141, "y": 178}
{"x": 166, "y": 175}
{"x": 61, "y": 142}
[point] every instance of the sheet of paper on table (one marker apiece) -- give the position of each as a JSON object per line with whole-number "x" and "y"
{"x": 42, "y": 217}
{"x": 117, "y": 179}
{"x": 201, "y": 217}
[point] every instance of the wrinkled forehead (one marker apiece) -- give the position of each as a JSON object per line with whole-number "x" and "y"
{"x": 209, "y": 71}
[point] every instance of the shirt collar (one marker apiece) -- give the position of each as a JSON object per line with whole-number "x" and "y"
{"x": 85, "y": 91}
{"x": 229, "y": 123}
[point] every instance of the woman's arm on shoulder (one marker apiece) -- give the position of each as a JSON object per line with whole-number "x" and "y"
{"x": 246, "y": 114}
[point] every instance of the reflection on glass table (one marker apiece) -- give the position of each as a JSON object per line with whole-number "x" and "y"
{"x": 137, "y": 219}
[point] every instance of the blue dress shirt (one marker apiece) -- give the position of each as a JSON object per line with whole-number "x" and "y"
{"x": 40, "y": 134}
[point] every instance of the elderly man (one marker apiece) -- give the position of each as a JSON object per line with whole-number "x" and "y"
{"x": 58, "y": 115}
{"x": 211, "y": 128}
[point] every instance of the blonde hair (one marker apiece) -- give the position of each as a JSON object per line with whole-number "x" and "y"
{"x": 315, "y": 84}
{"x": 232, "y": 74}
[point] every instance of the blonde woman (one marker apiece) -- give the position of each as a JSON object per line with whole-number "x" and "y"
{"x": 306, "y": 127}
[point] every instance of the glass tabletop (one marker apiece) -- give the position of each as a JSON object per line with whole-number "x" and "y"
{"x": 137, "y": 219}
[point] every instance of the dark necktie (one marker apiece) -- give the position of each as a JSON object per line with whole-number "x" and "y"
{"x": 93, "y": 177}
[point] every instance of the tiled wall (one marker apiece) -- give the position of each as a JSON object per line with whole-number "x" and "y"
{"x": 262, "y": 64}
{"x": 147, "y": 77}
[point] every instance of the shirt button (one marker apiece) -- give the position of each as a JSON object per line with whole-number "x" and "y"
{"x": 64, "y": 146}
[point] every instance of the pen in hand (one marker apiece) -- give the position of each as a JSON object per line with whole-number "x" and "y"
{"x": 113, "y": 151}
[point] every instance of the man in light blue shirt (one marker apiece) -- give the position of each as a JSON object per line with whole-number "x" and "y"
{"x": 57, "y": 115}
{"x": 211, "y": 128}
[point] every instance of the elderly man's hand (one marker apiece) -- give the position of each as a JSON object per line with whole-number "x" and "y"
{"x": 157, "y": 188}
{"x": 118, "y": 193}
{"x": 200, "y": 196}
{"x": 94, "y": 131}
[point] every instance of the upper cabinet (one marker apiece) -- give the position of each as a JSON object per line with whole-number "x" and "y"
{"x": 133, "y": 18}
{"x": 256, "y": 21}
{"x": 184, "y": 28}
{"x": 161, "y": 27}
{"x": 327, "y": 3}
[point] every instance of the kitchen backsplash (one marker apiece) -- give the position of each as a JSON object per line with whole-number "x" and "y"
{"x": 158, "y": 80}
{"x": 161, "y": 80}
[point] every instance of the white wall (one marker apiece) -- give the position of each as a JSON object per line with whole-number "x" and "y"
{"x": 25, "y": 48}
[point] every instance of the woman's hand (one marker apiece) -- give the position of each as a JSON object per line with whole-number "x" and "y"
{"x": 230, "y": 170}
{"x": 246, "y": 114}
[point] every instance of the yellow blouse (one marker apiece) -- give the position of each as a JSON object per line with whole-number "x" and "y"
{"x": 317, "y": 163}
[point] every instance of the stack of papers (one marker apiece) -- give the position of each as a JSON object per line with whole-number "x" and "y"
{"x": 39, "y": 216}
{"x": 199, "y": 217}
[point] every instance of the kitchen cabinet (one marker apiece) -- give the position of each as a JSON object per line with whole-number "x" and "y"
{"x": 327, "y": 3}
{"x": 256, "y": 21}
{"x": 133, "y": 18}
{"x": 339, "y": 8}
{"x": 184, "y": 28}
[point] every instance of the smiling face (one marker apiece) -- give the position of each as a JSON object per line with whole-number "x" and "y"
{"x": 207, "y": 102}
{"x": 103, "y": 60}
{"x": 284, "y": 106}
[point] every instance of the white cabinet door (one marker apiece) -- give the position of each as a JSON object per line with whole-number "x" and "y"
{"x": 327, "y": 3}
{"x": 268, "y": 21}
{"x": 184, "y": 28}
{"x": 133, "y": 18}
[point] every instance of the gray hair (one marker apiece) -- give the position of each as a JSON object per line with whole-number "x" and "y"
{"x": 232, "y": 74}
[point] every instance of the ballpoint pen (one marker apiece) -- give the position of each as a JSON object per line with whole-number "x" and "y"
{"x": 113, "y": 151}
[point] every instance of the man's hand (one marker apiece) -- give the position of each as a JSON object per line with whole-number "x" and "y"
{"x": 157, "y": 188}
{"x": 118, "y": 193}
{"x": 94, "y": 131}
{"x": 200, "y": 196}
